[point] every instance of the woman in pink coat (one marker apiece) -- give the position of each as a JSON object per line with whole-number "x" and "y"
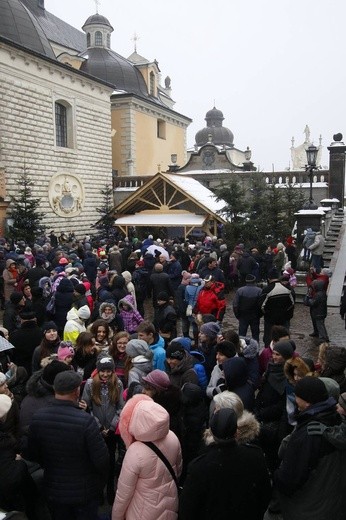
{"x": 146, "y": 489}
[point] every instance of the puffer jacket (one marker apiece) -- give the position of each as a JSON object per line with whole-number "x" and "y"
{"x": 75, "y": 323}
{"x": 129, "y": 285}
{"x": 146, "y": 489}
{"x": 67, "y": 443}
{"x": 131, "y": 317}
{"x": 106, "y": 414}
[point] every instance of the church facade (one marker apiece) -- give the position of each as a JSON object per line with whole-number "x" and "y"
{"x": 75, "y": 114}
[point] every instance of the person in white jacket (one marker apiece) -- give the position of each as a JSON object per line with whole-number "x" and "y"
{"x": 75, "y": 324}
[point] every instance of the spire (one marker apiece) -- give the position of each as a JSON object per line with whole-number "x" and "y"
{"x": 97, "y": 3}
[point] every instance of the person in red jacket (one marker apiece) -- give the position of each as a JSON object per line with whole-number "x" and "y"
{"x": 207, "y": 299}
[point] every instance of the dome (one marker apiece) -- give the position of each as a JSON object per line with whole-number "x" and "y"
{"x": 97, "y": 19}
{"x": 214, "y": 116}
{"x": 19, "y": 25}
{"x": 220, "y": 135}
{"x": 109, "y": 66}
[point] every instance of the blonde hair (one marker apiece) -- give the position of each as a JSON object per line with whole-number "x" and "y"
{"x": 231, "y": 400}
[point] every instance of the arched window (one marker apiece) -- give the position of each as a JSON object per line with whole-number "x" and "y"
{"x": 267, "y": 180}
{"x": 322, "y": 178}
{"x": 98, "y": 38}
{"x": 294, "y": 180}
{"x": 280, "y": 180}
{"x": 88, "y": 39}
{"x": 152, "y": 84}
{"x": 108, "y": 40}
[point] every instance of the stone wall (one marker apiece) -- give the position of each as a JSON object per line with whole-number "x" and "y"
{"x": 29, "y": 88}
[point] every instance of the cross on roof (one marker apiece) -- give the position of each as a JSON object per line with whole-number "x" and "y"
{"x": 97, "y": 4}
{"x": 135, "y": 38}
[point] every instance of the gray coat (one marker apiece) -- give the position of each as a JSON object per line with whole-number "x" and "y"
{"x": 106, "y": 414}
{"x": 317, "y": 247}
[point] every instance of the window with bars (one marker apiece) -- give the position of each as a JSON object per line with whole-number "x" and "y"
{"x": 98, "y": 38}
{"x": 60, "y": 125}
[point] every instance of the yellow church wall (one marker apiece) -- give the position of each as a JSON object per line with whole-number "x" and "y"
{"x": 153, "y": 150}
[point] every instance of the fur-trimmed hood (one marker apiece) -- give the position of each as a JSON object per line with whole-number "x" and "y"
{"x": 299, "y": 364}
{"x": 247, "y": 430}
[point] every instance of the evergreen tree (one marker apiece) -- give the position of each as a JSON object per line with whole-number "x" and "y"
{"x": 106, "y": 223}
{"x": 27, "y": 219}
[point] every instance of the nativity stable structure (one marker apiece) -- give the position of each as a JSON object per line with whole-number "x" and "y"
{"x": 176, "y": 205}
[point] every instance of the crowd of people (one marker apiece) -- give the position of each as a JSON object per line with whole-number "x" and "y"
{"x": 120, "y": 383}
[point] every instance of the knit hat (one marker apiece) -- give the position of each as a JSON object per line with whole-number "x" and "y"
{"x": 208, "y": 278}
{"x": 186, "y": 278}
{"x": 16, "y": 297}
{"x": 48, "y": 326}
{"x": 84, "y": 312}
{"x": 226, "y": 348}
{"x": 65, "y": 350}
{"x": 333, "y": 388}
{"x": 80, "y": 288}
{"x": 223, "y": 424}
{"x": 210, "y": 329}
{"x": 105, "y": 363}
{"x": 223, "y": 247}
{"x": 250, "y": 278}
{"x": 158, "y": 379}
{"x": 273, "y": 274}
{"x": 175, "y": 351}
{"x": 102, "y": 267}
{"x": 138, "y": 347}
{"x": 184, "y": 342}
{"x": 284, "y": 348}
{"x": 311, "y": 389}
{"x": 342, "y": 400}
{"x": 163, "y": 296}
{"x": 5, "y": 405}
{"x": 3, "y": 378}
{"x": 66, "y": 382}
{"x": 52, "y": 369}
{"x": 63, "y": 261}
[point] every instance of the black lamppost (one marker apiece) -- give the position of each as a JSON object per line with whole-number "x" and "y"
{"x": 311, "y": 155}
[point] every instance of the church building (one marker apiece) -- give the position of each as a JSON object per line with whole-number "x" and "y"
{"x": 73, "y": 110}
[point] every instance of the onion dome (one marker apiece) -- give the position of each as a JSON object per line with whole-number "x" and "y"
{"x": 220, "y": 135}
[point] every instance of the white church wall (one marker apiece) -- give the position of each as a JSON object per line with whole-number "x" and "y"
{"x": 29, "y": 88}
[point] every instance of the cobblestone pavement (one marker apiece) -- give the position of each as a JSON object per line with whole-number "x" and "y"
{"x": 301, "y": 327}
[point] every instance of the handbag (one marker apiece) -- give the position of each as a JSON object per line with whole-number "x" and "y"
{"x": 161, "y": 456}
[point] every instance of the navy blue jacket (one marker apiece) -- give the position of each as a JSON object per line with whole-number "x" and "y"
{"x": 67, "y": 443}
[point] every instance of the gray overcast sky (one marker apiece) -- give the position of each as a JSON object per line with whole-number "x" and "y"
{"x": 272, "y": 66}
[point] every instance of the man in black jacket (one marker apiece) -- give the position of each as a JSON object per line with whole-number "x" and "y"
{"x": 228, "y": 480}
{"x": 67, "y": 443}
{"x": 246, "y": 307}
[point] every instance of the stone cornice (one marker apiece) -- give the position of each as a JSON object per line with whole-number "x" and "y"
{"x": 30, "y": 57}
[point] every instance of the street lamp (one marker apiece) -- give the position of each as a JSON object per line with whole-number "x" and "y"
{"x": 311, "y": 156}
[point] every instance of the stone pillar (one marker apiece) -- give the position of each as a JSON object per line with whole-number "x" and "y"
{"x": 307, "y": 219}
{"x": 337, "y": 169}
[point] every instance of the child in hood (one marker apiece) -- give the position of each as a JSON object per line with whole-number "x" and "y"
{"x": 130, "y": 316}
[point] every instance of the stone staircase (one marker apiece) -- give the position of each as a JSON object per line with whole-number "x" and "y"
{"x": 334, "y": 257}
{"x": 332, "y": 237}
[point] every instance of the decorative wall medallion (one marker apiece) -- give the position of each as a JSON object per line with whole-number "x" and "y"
{"x": 66, "y": 194}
